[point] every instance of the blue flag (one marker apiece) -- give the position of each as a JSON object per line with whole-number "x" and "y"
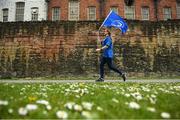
{"x": 114, "y": 20}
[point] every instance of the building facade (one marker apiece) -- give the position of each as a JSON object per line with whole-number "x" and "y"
{"x": 23, "y": 10}
{"x": 152, "y": 10}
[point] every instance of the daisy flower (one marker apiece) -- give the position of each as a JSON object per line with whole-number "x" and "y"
{"x": 87, "y": 105}
{"x": 61, "y": 114}
{"x": 134, "y": 105}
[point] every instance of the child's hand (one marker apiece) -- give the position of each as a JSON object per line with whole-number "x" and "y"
{"x": 97, "y": 33}
{"x": 97, "y": 50}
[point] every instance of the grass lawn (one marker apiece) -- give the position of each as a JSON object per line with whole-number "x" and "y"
{"x": 90, "y": 100}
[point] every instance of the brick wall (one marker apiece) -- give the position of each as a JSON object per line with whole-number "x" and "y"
{"x": 54, "y": 48}
{"x": 63, "y": 4}
{"x": 167, "y": 3}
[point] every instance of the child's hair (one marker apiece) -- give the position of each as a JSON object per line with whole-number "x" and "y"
{"x": 109, "y": 33}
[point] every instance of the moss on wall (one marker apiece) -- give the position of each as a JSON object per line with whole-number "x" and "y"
{"x": 52, "y": 48}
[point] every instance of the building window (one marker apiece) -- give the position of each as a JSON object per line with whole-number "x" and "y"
{"x": 178, "y": 10}
{"x": 34, "y": 14}
{"x": 20, "y": 11}
{"x": 145, "y": 13}
{"x": 74, "y": 10}
{"x": 167, "y": 13}
{"x": 115, "y": 9}
{"x": 5, "y": 15}
{"x": 55, "y": 13}
{"x": 129, "y": 12}
{"x": 91, "y": 13}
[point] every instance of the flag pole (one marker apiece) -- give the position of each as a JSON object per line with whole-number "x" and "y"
{"x": 103, "y": 23}
{"x": 105, "y": 20}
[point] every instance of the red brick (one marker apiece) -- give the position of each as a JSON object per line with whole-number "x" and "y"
{"x": 84, "y": 4}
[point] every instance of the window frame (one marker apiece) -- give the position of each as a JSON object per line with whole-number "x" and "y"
{"x": 56, "y": 17}
{"x": 6, "y": 15}
{"x": 165, "y": 15}
{"x": 133, "y": 12}
{"x": 178, "y": 10}
{"x": 142, "y": 14}
{"x": 33, "y": 15}
{"x": 89, "y": 13}
{"x": 20, "y": 16}
{"x": 70, "y": 8}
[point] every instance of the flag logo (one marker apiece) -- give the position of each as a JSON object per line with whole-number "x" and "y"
{"x": 114, "y": 20}
{"x": 117, "y": 23}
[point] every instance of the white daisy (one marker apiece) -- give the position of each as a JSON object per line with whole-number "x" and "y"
{"x": 115, "y": 100}
{"x": 99, "y": 108}
{"x": 134, "y": 105}
{"x": 153, "y": 96}
{"x": 77, "y": 107}
{"x": 62, "y": 114}
{"x": 44, "y": 102}
{"x": 151, "y": 109}
{"x": 152, "y": 100}
{"x": 12, "y": 86}
{"x": 145, "y": 89}
{"x": 2, "y": 102}
{"x": 67, "y": 90}
{"x": 69, "y": 105}
{"x": 22, "y": 111}
{"x": 23, "y": 89}
{"x": 77, "y": 96}
{"x": 87, "y": 105}
{"x": 165, "y": 115}
{"x": 137, "y": 96}
{"x": 127, "y": 95}
{"x": 86, "y": 114}
{"x": 10, "y": 111}
{"x": 48, "y": 107}
{"x": 30, "y": 107}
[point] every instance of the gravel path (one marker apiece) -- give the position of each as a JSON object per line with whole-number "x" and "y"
{"x": 92, "y": 81}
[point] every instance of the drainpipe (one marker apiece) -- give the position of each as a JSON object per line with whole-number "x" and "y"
{"x": 156, "y": 9}
{"x": 47, "y": 8}
{"x": 101, "y": 8}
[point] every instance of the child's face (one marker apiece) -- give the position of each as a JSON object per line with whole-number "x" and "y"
{"x": 105, "y": 32}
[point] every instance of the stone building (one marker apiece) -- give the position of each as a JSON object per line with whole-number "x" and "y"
{"x": 152, "y": 10}
{"x": 23, "y": 10}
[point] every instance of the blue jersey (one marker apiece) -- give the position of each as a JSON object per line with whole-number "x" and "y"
{"x": 108, "y": 52}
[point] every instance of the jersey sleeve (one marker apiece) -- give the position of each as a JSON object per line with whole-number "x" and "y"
{"x": 108, "y": 41}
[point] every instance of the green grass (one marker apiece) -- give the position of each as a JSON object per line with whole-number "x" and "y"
{"x": 112, "y": 98}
